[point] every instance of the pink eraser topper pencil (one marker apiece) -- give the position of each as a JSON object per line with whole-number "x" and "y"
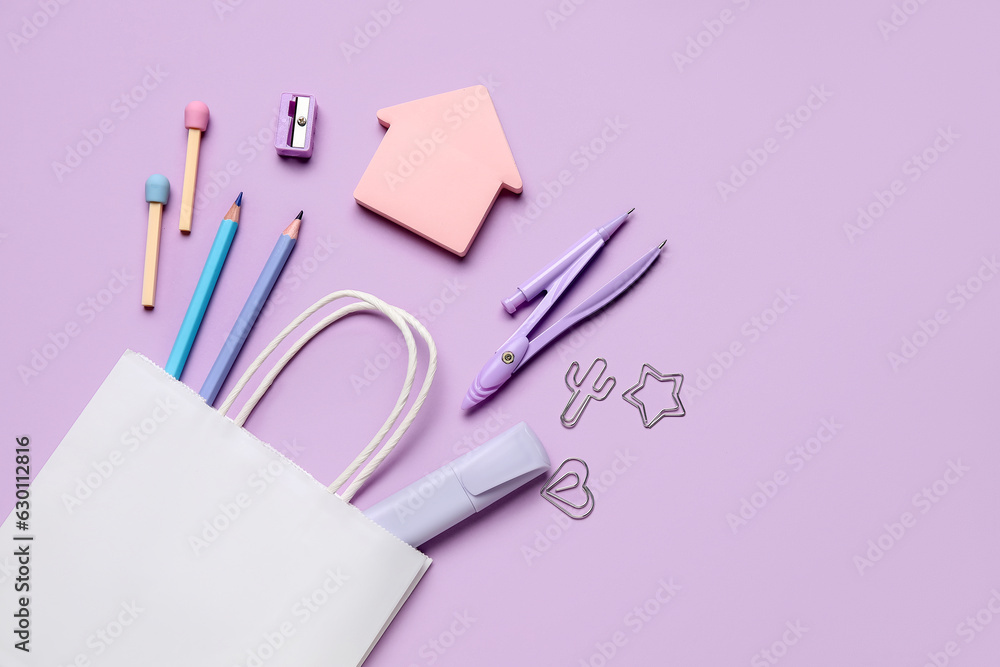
{"x": 196, "y": 121}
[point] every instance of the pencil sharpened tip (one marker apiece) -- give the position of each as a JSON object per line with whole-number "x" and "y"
{"x": 630, "y": 211}
{"x": 292, "y": 230}
{"x": 239, "y": 200}
{"x": 299, "y": 216}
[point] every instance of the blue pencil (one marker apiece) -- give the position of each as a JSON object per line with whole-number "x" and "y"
{"x": 251, "y": 309}
{"x": 203, "y": 291}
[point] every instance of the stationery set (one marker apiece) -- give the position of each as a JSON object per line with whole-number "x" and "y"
{"x": 244, "y": 558}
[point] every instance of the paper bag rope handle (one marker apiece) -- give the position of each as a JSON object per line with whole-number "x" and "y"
{"x": 403, "y": 320}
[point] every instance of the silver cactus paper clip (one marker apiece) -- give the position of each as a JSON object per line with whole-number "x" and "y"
{"x": 594, "y": 389}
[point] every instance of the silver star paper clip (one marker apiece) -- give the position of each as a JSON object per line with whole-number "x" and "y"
{"x": 631, "y": 396}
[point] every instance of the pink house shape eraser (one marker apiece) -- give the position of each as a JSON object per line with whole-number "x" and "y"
{"x": 440, "y": 166}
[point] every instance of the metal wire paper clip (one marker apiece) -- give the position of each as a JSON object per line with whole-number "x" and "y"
{"x": 630, "y": 396}
{"x": 561, "y": 482}
{"x": 597, "y": 390}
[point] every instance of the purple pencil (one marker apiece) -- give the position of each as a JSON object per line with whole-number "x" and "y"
{"x": 251, "y": 309}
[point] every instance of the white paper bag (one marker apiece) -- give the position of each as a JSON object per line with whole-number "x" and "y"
{"x": 166, "y": 534}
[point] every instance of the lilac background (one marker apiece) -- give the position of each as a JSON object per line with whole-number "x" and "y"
{"x": 555, "y": 85}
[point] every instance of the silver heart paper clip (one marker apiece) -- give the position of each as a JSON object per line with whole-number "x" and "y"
{"x": 560, "y": 482}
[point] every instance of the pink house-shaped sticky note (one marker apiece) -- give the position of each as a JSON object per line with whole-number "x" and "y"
{"x": 440, "y": 166}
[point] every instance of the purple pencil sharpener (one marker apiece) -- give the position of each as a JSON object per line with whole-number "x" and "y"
{"x": 296, "y": 125}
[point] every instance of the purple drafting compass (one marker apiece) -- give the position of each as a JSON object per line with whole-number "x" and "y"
{"x": 553, "y": 280}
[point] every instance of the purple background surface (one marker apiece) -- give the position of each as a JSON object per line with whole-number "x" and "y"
{"x": 900, "y": 92}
